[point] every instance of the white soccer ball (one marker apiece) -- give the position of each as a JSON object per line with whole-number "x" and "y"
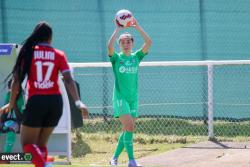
{"x": 124, "y": 18}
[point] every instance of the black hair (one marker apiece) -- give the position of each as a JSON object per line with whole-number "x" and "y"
{"x": 9, "y": 83}
{"x": 41, "y": 33}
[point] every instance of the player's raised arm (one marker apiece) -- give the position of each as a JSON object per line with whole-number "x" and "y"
{"x": 112, "y": 41}
{"x": 147, "y": 40}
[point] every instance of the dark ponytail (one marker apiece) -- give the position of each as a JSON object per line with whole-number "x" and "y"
{"x": 41, "y": 33}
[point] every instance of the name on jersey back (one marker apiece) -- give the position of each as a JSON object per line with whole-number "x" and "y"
{"x": 46, "y": 55}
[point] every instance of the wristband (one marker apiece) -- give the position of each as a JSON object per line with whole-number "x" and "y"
{"x": 79, "y": 104}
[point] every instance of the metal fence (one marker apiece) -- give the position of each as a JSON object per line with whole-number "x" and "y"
{"x": 186, "y": 98}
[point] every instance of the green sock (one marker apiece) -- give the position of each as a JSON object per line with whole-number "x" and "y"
{"x": 119, "y": 146}
{"x": 128, "y": 143}
{"x": 10, "y": 140}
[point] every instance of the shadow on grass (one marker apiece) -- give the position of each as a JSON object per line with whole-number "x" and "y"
{"x": 79, "y": 147}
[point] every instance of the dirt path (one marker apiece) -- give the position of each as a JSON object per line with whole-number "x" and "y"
{"x": 205, "y": 154}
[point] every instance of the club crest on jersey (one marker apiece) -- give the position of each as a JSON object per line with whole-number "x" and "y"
{"x": 128, "y": 63}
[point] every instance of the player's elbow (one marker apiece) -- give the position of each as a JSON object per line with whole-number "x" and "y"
{"x": 67, "y": 79}
{"x": 110, "y": 51}
{"x": 149, "y": 42}
{"x": 110, "y": 46}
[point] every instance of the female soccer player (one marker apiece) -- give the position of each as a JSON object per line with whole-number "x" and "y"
{"x": 125, "y": 96}
{"x": 41, "y": 63}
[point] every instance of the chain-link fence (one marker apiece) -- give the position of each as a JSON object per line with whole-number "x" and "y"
{"x": 176, "y": 103}
{"x": 175, "y": 93}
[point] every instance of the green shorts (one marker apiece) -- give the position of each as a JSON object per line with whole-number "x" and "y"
{"x": 123, "y": 107}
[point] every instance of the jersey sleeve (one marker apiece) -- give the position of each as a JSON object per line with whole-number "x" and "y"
{"x": 20, "y": 102}
{"x": 7, "y": 98}
{"x": 140, "y": 55}
{"x": 113, "y": 57}
{"x": 64, "y": 66}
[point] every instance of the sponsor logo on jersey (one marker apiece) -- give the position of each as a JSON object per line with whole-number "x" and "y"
{"x": 128, "y": 70}
{"x": 44, "y": 85}
{"x": 122, "y": 69}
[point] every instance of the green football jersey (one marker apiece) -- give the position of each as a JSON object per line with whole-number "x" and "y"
{"x": 19, "y": 102}
{"x": 125, "y": 70}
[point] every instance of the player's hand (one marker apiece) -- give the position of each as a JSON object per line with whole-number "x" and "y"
{"x": 85, "y": 112}
{"x": 5, "y": 109}
{"x": 135, "y": 24}
{"x": 118, "y": 27}
{"x": 83, "y": 108}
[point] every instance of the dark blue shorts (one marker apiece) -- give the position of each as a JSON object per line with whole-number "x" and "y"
{"x": 43, "y": 111}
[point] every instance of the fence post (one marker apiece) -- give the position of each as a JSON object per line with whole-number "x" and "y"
{"x": 210, "y": 102}
{"x": 105, "y": 78}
